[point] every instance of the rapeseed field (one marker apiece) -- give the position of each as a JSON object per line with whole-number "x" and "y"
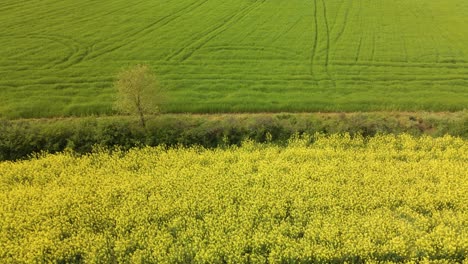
{"x": 320, "y": 199}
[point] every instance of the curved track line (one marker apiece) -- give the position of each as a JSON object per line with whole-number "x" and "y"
{"x": 122, "y": 6}
{"x": 392, "y": 64}
{"x": 78, "y": 52}
{"x": 8, "y": 6}
{"x": 327, "y": 31}
{"x": 336, "y": 16}
{"x": 186, "y": 52}
{"x": 289, "y": 29}
{"x": 345, "y": 20}
{"x": 402, "y": 36}
{"x": 373, "y": 47}
{"x": 314, "y": 47}
{"x": 270, "y": 49}
{"x": 74, "y": 49}
{"x": 348, "y": 79}
{"x": 44, "y": 13}
{"x": 147, "y": 29}
{"x": 359, "y": 47}
{"x": 358, "y": 52}
{"x": 327, "y": 53}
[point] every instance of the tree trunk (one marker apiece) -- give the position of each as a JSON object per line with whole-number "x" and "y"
{"x": 140, "y": 112}
{"x": 142, "y": 119}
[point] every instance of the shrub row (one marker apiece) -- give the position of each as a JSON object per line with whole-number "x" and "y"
{"x": 21, "y": 138}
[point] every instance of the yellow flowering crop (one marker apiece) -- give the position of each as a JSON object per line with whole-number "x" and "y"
{"x": 339, "y": 199}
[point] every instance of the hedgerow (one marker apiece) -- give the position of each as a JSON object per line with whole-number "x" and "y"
{"x": 21, "y": 138}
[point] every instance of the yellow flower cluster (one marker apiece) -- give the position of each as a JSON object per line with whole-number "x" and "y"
{"x": 319, "y": 199}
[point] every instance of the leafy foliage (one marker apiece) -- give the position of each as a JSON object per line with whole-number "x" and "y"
{"x": 138, "y": 92}
{"x": 19, "y": 139}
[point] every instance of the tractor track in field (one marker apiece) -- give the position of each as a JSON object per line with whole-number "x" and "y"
{"x": 373, "y": 47}
{"x": 75, "y": 50}
{"x": 187, "y": 51}
{"x": 332, "y": 28}
{"x": 289, "y": 29}
{"x": 435, "y": 52}
{"x": 78, "y": 51}
{"x": 28, "y": 17}
{"x": 269, "y": 49}
{"x": 327, "y": 52}
{"x": 326, "y": 40}
{"x": 147, "y": 29}
{"x": 327, "y": 31}
{"x": 376, "y": 64}
{"x": 314, "y": 47}
{"x": 374, "y": 33}
{"x": 402, "y": 35}
{"x": 361, "y": 35}
{"x": 350, "y": 77}
{"x": 53, "y": 82}
{"x": 391, "y": 64}
{"x": 444, "y": 36}
{"x": 358, "y": 50}
{"x": 345, "y": 21}
{"x": 121, "y": 7}
{"x": 7, "y": 6}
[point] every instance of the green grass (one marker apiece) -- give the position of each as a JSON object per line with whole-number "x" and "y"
{"x": 59, "y": 58}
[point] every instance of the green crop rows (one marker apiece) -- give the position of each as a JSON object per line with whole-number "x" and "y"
{"x": 60, "y": 57}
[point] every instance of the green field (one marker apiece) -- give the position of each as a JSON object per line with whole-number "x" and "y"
{"x": 60, "y": 57}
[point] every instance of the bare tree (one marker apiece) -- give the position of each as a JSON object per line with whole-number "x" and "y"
{"x": 138, "y": 92}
